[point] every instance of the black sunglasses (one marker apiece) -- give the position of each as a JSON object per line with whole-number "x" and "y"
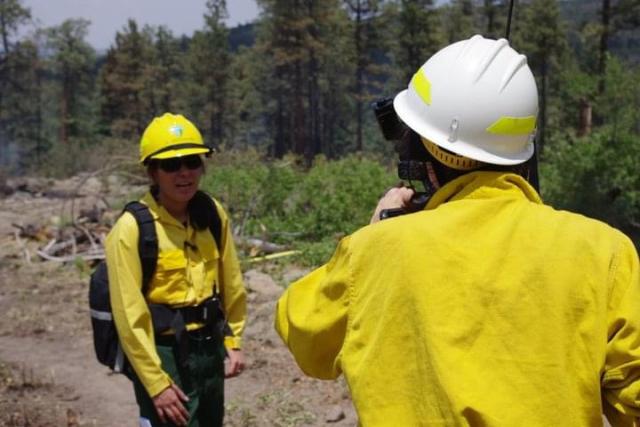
{"x": 174, "y": 164}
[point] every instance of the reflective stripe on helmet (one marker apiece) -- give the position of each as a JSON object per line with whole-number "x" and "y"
{"x": 422, "y": 86}
{"x": 513, "y": 126}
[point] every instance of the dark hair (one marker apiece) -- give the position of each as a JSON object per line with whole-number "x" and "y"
{"x": 199, "y": 209}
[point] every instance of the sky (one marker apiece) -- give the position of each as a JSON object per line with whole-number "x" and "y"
{"x": 109, "y": 16}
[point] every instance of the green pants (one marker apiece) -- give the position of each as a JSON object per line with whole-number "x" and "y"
{"x": 201, "y": 378}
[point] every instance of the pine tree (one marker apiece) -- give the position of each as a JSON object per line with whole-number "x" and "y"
{"x": 72, "y": 61}
{"x": 338, "y": 103}
{"x": 209, "y": 63}
{"x": 296, "y": 40}
{"x": 164, "y": 72}
{"x": 541, "y": 35}
{"x": 245, "y": 108}
{"x": 419, "y": 36}
{"x": 15, "y": 60}
{"x": 12, "y": 15}
{"x": 122, "y": 82}
{"x": 615, "y": 16}
{"x": 22, "y": 112}
{"x": 458, "y": 20}
{"x": 367, "y": 42}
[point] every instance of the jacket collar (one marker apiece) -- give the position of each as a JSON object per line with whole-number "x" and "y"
{"x": 484, "y": 185}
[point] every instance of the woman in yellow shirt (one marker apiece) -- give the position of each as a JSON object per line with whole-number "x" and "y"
{"x": 179, "y": 377}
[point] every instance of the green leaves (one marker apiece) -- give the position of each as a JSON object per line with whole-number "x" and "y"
{"x": 311, "y": 209}
{"x": 596, "y": 176}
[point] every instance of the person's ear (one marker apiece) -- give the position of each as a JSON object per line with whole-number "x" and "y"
{"x": 153, "y": 175}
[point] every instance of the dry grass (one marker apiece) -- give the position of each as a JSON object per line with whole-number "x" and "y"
{"x": 24, "y": 398}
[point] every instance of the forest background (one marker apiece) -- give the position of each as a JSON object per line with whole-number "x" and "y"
{"x": 286, "y": 101}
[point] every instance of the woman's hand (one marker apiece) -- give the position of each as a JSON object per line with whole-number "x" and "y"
{"x": 169, "y": 405}
{"x": 235, "y": 365}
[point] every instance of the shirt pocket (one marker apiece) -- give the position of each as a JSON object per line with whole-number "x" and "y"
{"x": 171, "y": 267}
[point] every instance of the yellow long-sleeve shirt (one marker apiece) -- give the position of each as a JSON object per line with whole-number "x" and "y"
{"x": 488, "y": 308}
{"x": 189, "y": 263}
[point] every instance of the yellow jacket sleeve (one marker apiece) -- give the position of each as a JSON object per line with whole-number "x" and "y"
{"x": 231, "y": 285}
{"x": 130, "y": 311}
{"x": 621, "y": 377}
{"x": 314, "y": 327}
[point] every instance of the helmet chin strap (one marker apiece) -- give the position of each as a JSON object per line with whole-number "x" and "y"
{"x": 433, "y": 178}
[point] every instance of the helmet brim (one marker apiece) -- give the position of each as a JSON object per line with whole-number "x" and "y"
{"x": 407, "y": 113}
{"x": 180, "y": 152}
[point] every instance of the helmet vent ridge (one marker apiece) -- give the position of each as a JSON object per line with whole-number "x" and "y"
{"x": 520, "y": 62}
{"x": 488, "y": 59}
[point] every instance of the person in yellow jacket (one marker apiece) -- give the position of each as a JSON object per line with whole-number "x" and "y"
{"x": 487, "y": 307}
{"x": 173, "y": 388}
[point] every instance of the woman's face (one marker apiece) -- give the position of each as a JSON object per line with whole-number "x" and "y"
{"x": 178, "y": 178}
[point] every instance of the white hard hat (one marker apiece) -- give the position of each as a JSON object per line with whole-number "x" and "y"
{"x": 476, "y": 98}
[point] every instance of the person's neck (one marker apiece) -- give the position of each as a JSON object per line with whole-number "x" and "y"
{"x": 178, "y": 210}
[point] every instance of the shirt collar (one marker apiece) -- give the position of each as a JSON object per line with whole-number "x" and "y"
{"x": 158, "y": 212}
{"x": 485, "y": 185}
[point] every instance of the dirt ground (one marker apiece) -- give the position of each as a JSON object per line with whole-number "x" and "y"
{"x": 48, "y": 372}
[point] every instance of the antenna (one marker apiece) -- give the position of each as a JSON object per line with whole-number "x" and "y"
{"x": 511, "y": 2}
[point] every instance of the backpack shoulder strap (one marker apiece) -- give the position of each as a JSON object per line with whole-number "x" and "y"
{"x": 147, "y": 240}
{"x": 215, "y": 222}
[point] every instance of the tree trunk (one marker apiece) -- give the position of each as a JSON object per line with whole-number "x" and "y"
{"x": 359, "y": 74}
{"x": 313, "y": 131}
{"x": 65, "y": 101}
{"x": 585, "y": 118}
{"x": 5, "y": 35}
{"x": 278, "y": 143}
{"x": 298, "y": 126}
{"x": 490, "y": 12}
{"x": 604, "y": 45}
{"x": 542, "y": 127}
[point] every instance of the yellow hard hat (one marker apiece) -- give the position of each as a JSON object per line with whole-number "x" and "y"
{"x": 171, "y": 135}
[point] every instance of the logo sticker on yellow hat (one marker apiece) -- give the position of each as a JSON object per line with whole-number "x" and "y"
{"x": 176, "y": 130}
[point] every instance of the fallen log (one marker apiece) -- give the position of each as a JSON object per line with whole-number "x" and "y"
{"x": 273, "y": 256}
{"x": 262, "y": 245}
{"x": 51, "y": 249}
{"x": 22, "y": 245}
{"x": 70, "y": 258}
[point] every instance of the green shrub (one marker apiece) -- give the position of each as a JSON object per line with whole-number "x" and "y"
{"x": 337, "y": 197}
{"x": 308, "y": 210}
{"x": 596, "y": 176}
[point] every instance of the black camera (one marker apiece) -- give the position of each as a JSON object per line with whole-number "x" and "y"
{"x": 412, "y": 154}
{"x": 407, "y": 144}
{"x": 390, "y": 125}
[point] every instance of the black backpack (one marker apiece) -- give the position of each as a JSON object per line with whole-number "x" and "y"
{"x": 105, "y": 336}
